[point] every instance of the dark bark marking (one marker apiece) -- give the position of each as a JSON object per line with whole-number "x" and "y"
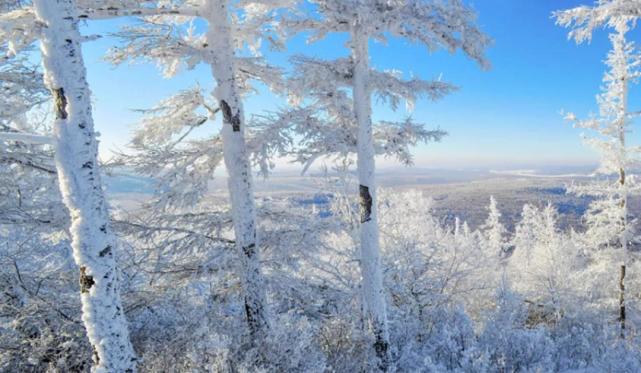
{"x": 70, "y": 48}
{"x": 622, "y": 301}
{"x": 88, "y": 165}
{"x": 622, "y": 176}
{"x": 250, "y": 250}
{"x": 233, "y": 119}
{"x": 381, "y": 347}
{"x": 253, "y": 313}
{"x": 96, "y": 357}
{"x": 105, "y": 251}
{"x": 86, "y": 281}
{"x": 60, "y": 102}
{"x": 366, "y": 204}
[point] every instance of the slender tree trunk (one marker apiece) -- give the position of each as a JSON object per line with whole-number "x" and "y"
{"x": 93, "y": 241}
{"x": 370, "y": 263}
{"x": 622, "y": 300}
{"x": 623, "y": 239}
{"x": 220, "y": 40}
{"x": 622, "y": 121}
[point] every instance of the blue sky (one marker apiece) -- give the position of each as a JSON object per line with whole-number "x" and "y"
{"x": 507, "y": 117}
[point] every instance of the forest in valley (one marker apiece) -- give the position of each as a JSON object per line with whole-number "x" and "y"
{"x": 355, "y": 278}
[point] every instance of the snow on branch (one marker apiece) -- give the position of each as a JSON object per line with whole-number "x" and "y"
{"x": 21, "y": 86}
{"x": 162, "y": 148}
{"x": 162, "y": 43}
{"x": 181, "y": 173}
{"x": 18, "y": 30}
{"x": 320, "y": 134}
{"x": 255, "y": 68}
{"x": 27, "y": 138}
{"x": 583, "y": 20}
{"x": 315, "y": 76}
{"x": 396, "y": 138}
{"x": 172, "y": 117}
{"x": 390, "y": 88}
{"x": 447, "y": 24}
{"x": 104, "y": 9}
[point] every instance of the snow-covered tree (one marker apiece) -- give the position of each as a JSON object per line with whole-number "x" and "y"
{"x": 608, "y": 219}
{"x": 544, "y": 264}
{"x": 445, "y": 24}
{"x": 174, "y": 42}
{"x": 93, "y": 242}
{"x": 493, "y": 232}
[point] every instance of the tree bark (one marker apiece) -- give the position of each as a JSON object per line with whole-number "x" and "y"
{"x": 370, "y": 263}
{"x": 92, "y": 239}
{"x": 623, "y": 238}
{"x": 240, "y": 182}
{"x": 622, "y": 301}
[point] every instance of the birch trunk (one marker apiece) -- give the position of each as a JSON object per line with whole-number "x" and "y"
{"x": 623, "y": 238}
{"x": 92, "y": 239}
{"x": 240, "y": 183}
{"x": 621, "y": 121}
{"x": 370, "y": 263}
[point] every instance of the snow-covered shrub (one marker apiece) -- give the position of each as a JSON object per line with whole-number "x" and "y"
{"x": 429, "y": 264}
{"x": 344, "y": 345}
{"x": 446, "y": 343}
{"x": 508, "y": 344}
{"x": 579, "y": 342}
{"x": 178, "y": 334}
{"x": 543, "y": 265}
{"x": 292, "y": 346}
{"x": 619, "y": 357}
{"x": 40, "y": 327}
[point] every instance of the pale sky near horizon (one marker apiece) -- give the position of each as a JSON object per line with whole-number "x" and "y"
{"x": 507, "y": 117}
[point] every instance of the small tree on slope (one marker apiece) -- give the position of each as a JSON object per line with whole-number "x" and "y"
{"x": 608, "y": 223}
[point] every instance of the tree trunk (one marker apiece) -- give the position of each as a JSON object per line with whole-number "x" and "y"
{"x": 370, "y": 263}
{"x": 623, "y": 238}
{"x": 239, "y": 170}
{"x": 622, "y": 301}
{"x": 92, "y": 239}
{"x": 623, "y": 241}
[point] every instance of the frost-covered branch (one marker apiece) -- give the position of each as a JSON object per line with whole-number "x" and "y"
{"x": 27, "y": 138}
{"x": 164, "y": 44}
{"x": 584, "y": 20}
